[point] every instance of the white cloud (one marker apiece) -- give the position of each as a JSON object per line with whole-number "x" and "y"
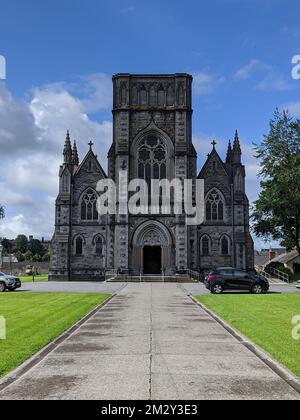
{"x": 96, "y": 91}
{"x": 32, "y": 138}
{"x": 253, "y": 66}
{"x": 274, "y": 82}
{"x": 270, "y": 79}
{"x": 205, "y": 83}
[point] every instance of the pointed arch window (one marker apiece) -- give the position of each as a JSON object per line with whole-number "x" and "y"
{"x": 214, "y": 206}
{"x": 123, "y": 93}
{"x": 65, "y": 183}
{"x": 79, "y": 246}
{"x": 143, "y": 96}
{"x": 99, "y": 245}
{"x": 225, "y": 245}
{"x": 152, "y": 159}
{"x": 205, "y": 245}
{"x": 89, "y": 206}
{"x": 161, "y": 95}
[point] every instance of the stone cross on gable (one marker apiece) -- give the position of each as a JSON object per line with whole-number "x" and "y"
{"x": 214, "y": 143}
{"x": 91, "y": 144}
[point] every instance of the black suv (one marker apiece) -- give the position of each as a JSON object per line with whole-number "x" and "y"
{"x": 228, "y": 278}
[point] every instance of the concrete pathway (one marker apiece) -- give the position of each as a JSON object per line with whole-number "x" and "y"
{"x": 150, "y": 342}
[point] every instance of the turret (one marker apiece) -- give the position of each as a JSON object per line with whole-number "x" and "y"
{"x": 75, "y": 158}
{"x": 68, "y": 150}
{"x": 229, "y": 156}
{"x": 237, "y": 153}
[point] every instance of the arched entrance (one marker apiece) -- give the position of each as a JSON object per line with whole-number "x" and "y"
{"x": 152, "y": 249}
{"x": 152, "y": 262}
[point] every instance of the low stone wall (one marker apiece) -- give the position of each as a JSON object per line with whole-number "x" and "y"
{"x": 20, "y": 267}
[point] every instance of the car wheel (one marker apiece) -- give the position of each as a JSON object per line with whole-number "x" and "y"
{"x": 257, "y": 289}
{"x": 2, "y": 287}
{"x": 216, "y": 289}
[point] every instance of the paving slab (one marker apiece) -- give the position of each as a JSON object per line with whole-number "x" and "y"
{"x": 151, "y": 341}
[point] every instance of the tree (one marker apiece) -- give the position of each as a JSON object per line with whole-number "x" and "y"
{"x": 21, "y": 244}
{"x": 276, "y": 213}
{"x": 37, "y": 258}
{"x": 20, "y": 257}
{"x": 47, "y": 256}
{"x": 28, "y": 256}
{"x": 2, "y": 212}
{"x": 36, "y": 247}
{"x": 7, "y": 246}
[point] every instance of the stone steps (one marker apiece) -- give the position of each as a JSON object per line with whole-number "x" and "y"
{"x": 151, "y": 279}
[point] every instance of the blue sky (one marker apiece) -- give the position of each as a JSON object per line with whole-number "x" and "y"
{"x": 61, "y": 55}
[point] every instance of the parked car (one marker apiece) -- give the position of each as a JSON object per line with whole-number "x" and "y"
{"x": 10, "y": 283}
{"x": 298, "y": 284}
{"x": 228, "y": 278}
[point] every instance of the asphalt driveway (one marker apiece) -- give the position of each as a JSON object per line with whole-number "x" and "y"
{"x": 193, "y": 289}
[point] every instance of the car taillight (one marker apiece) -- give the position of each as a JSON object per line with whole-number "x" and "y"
{"x": 211, "y": 277}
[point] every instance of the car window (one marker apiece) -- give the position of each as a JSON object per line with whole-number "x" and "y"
{"x": 239, "y": 273}
{"x": 2, "y": 274}
{"x": 225, "y": 272}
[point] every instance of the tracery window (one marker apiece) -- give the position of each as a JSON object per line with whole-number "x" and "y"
{"x": 214, "y": 206}
{"x": 89, "y": 206}
{"x": 152, "y": 159}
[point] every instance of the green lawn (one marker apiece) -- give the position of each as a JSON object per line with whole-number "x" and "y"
{"x": 28, "y": 279}
{"x": 265, "y": 319}
{"x": 34, "y": 319}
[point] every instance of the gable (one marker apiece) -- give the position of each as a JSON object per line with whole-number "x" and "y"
{"x": 90, "y": 164}
{"x": 213, "y": 167}
{"x": 89, "y": 173}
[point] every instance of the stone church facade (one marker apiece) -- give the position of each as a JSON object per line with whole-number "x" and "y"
{"x": 152, "y": 139}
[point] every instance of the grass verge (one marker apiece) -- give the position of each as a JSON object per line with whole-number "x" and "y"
{"x": 266, "y": 320}
{"x": 39, "y": 278}
{"x": 34, "y": 319}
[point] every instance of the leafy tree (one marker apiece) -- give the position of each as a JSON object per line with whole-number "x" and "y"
{"x": 20, "y": 257}
{"x": 21, "y": 244}
{"x": 7, "y": 247}
{"x": 37, "y": 258}
{"x": 47, "y": 256}
{"x": 28, "y": 256}
{"x": 276, "y": 213}
{"x": 35, "y": 246}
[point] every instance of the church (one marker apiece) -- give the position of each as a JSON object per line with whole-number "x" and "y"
{"x": 152, "y": 139}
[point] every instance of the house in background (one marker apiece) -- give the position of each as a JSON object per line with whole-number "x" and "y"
{"x": 263, "y": 257}
{"x": 290, "y": 260}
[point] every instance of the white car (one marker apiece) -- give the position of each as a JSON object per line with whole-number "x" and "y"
{"x": 10, "y": 283}
{"x": 298, "y": 284}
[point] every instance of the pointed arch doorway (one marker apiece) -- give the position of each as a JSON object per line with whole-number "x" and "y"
{"x": 152, "y": 250}
{"x": 152, "y": 259}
